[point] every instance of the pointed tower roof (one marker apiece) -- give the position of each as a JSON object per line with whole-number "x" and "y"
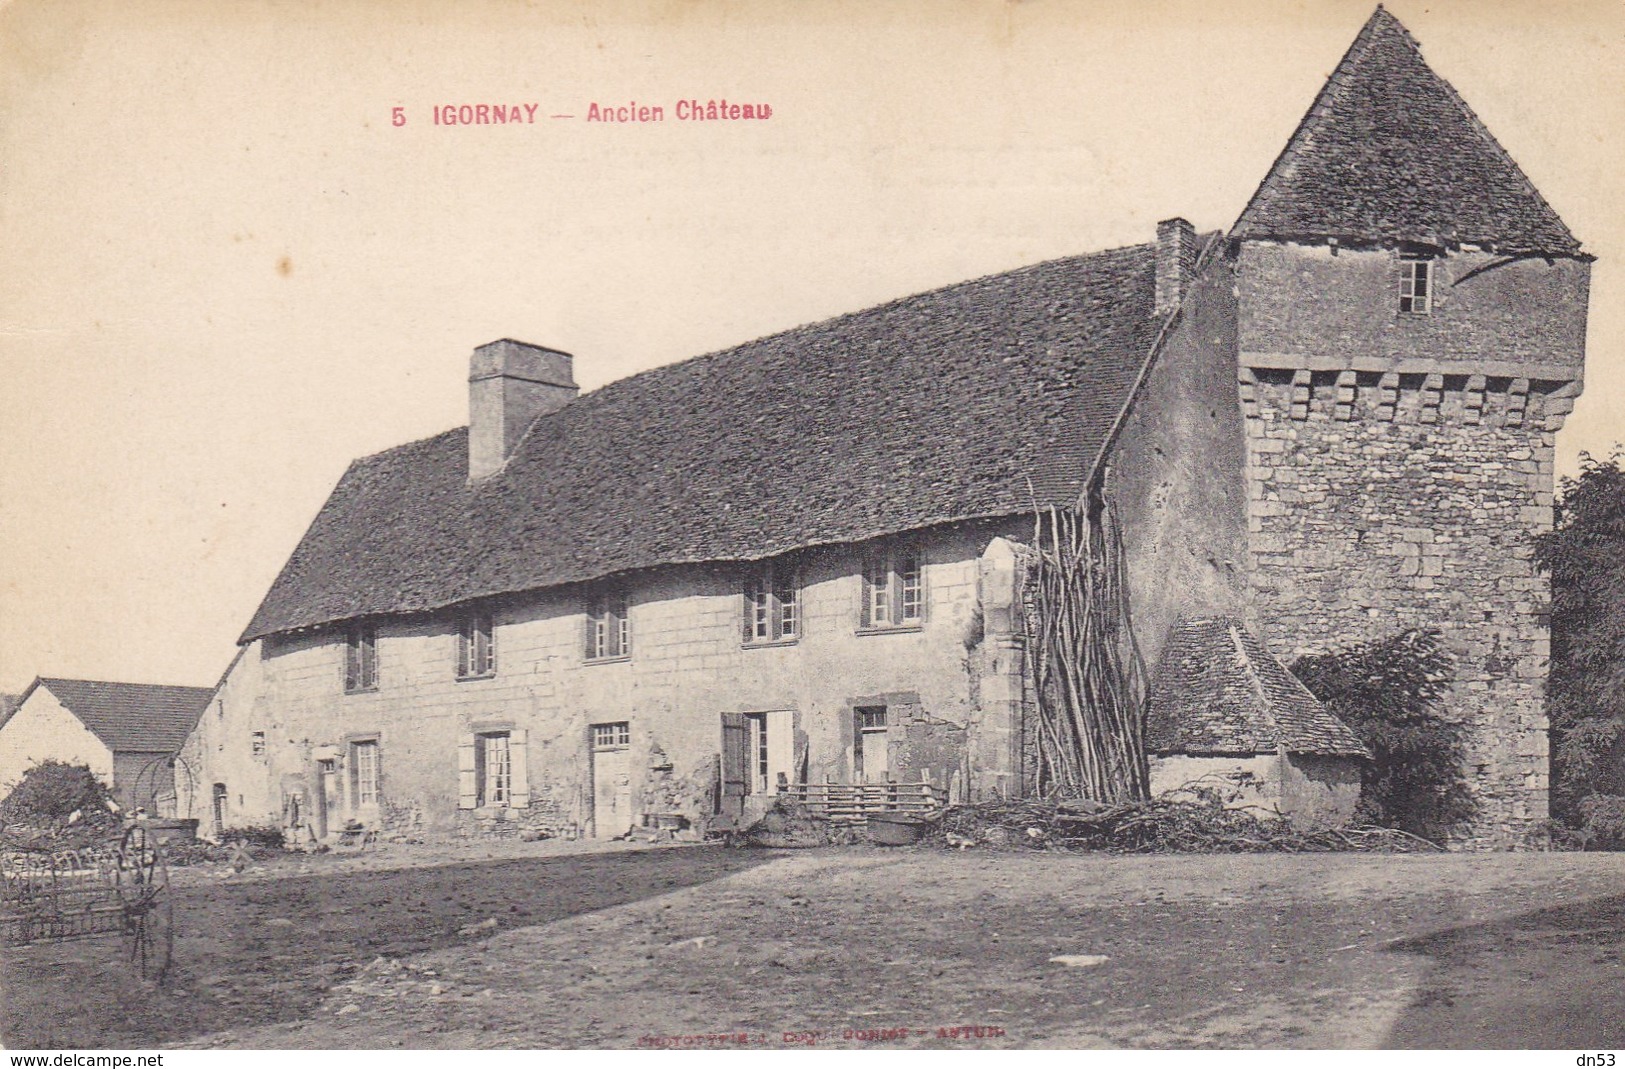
{"x": 1389, "y": 152}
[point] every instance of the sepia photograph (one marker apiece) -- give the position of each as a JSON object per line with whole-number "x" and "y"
{"x": 919, "y": 525}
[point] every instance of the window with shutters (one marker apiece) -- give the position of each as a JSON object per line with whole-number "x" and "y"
{"x": 893, "y": 591}
{"x": 476, "y": 645}
{"x": 772, "y": 603}
{"x": 609, "y": 626}
{"x": 361, "y": 658}
{"x": 491, "y": 768}
{"x": 735, "y": 764}
{"x": 1415, "y": 284}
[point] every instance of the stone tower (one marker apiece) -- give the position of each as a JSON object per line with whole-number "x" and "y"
{"x": 1410, "y": 334}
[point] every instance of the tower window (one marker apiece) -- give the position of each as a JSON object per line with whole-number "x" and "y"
{"x": 1415, "y": 285}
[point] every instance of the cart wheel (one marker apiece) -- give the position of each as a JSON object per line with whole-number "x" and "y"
{"x": 143, "y": 889}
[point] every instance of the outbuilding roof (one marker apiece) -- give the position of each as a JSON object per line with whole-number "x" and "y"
{"x": 970, "y": 401}
{"x": 131, "y": 717}
{"x": 1217, "y": 690}
{"x": 1390, "y": 153}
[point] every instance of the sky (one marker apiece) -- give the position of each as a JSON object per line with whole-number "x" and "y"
{"x": 225, "y": 271}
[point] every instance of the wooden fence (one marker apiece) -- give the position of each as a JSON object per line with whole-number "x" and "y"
{"x": 851, "y": 803}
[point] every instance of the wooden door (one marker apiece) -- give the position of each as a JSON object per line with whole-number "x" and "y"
{"x": 870, "y": 761}
{"x": 611, "y": 780}
{"x": 875, "y": 765}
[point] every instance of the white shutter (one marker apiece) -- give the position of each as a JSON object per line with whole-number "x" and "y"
{"x": 468, "y": 789}
{"x": 519, "y": 770}
{"x": 781, "y": 748}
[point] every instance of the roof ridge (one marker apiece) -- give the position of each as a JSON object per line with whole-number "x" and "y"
{"x": 1265, "y": 706}
{"x": 409, "y": 443}
{"x": 844, "y": 317}
{"x": 1495, "y": 143}
{"x": 1334, "y": 83}
{"x": 121, "y": 683}
{"x": 831, "y": 320}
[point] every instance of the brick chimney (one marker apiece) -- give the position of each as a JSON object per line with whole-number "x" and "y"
{"x": 1176, "y": 262}
{"x": 510, "y": 383}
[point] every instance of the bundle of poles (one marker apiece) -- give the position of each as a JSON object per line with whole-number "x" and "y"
{"x": 1090, "y": 680}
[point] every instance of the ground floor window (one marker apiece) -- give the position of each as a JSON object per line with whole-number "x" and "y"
{"x": 493, "y": 767}
{"x": 492, "y": 770}
{"x": 364, "y": 772}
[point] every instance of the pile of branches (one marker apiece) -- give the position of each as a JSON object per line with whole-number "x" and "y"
{"x": 1090, "y": 681}
{"x": 1198, "y": 825}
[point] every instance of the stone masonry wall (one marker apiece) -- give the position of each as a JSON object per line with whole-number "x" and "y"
{"x": 282, "y": 706}
{"x": 1175, "y": 476}
{"x": 1380, "y": 502}
{"x": 1317, "y": 307}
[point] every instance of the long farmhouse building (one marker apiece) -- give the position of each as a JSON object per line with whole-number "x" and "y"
{"x": 800, "y": 560}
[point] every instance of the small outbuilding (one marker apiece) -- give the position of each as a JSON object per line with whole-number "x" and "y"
{"x": 1224, "y": 713}
{"x": 127, "y": 733}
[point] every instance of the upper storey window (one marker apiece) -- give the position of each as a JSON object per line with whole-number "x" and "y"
{"x": 893, "y": 591}
{"x": 476, "y": 645}
{"x": 609, "y": 627}
{"x": 772, "y": 603}
{"x": 361, "y": 658}
{"x": 1415, "y": 284}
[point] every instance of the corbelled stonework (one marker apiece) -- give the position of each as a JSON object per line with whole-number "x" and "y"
{"x": 1380, "y": 502}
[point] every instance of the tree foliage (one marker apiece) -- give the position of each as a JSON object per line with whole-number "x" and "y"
{"x": 1389, "y": 693}
{"x": 1584, "y": 554}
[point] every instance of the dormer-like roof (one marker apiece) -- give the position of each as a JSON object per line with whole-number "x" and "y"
{"x": 1389, "y": 153}
{"x": 1218, "y": 691}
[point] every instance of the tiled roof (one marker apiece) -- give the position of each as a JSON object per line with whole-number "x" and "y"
{"x": 1390, "y": 153}
{"x": 1217, "y": 690}
{"x": 8, "y": 705}
{"x": 960, "y": 403}
{"x": 132, "y": 717}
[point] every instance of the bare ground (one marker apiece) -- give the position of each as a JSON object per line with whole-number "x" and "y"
{"x": 548, "y": 947}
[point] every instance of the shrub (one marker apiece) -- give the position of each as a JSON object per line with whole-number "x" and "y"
{"x": 49, "y": 794}
{"x": 1602, "y": 821}
{"x": 1388, "y": 692}
{"x": 264, "y": 835}
{"x": 1585, "y": 555}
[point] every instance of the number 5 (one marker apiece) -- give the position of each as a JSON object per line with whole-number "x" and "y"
{"x": 397, "y": 116}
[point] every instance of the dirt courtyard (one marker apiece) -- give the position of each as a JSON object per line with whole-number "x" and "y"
{"x": 704, "y": 946}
